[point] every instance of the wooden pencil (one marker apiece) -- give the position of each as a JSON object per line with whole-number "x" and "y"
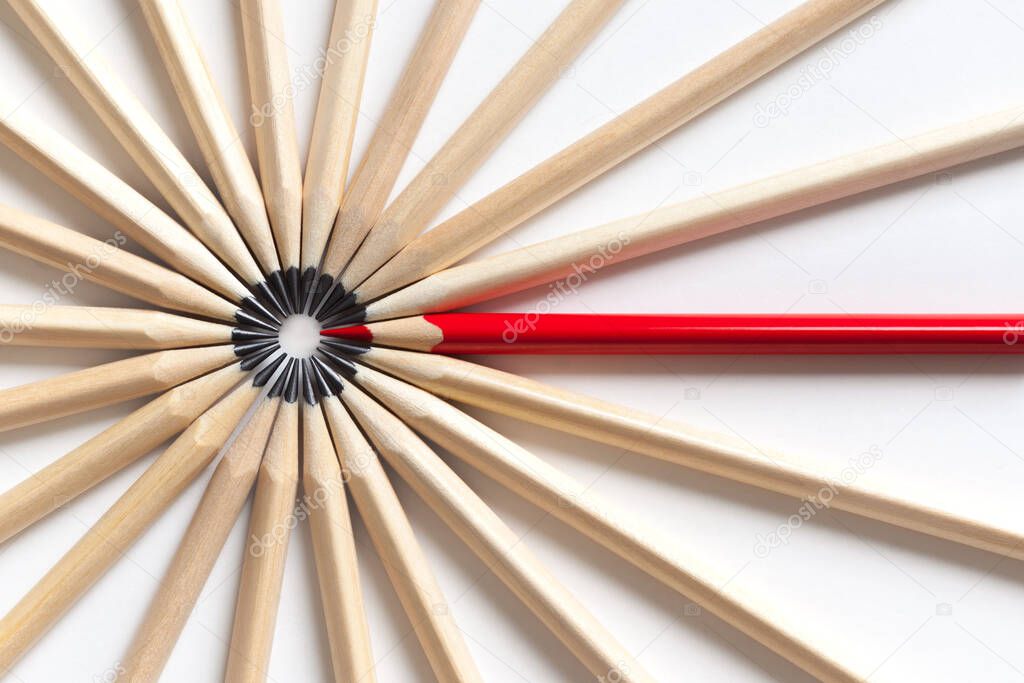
{"x": 110, "y": 537}
{"x": 337, "y": 111}
{"x": 337, "y": 566}
{"x": 497, "y": 546}
{"x": 273, "y": 119}
{"x": 614, "y": 142}
{"x": 84, "y": 327}
{"x": 143, "y": 139}
{"x": 270, "y": 525}
{"x": 572, "y": 502}
{"x": 222, "y": 502}
{"x": 397, "y": 129}
{"x": 534, "y": 333}
{"x": 116, "y": 202}
{"x": 578, "y": 255}
{"x": 112, "y": 450}
{"x": 107, "y": 384}
{"x": 406, "y": 565}
{"x": 105, "y": 263}
{"x": 479, "y": 135}
{"x": 712, "y": 453}
{"x": 221, "y": 146}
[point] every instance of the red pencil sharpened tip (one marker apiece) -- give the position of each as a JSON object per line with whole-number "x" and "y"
{"x": 356, "y": 332}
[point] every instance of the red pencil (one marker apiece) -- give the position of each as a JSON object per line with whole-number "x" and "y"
{"x": 530, "y": 333}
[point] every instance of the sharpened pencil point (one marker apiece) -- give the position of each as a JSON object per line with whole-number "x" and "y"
{"x": 351, "y": 316}
{"x": 255, "y": 360}
{"x": 347, "y": 347}
{"x": 324, "y": 286}
{"x": 241, "y": 335}
{"x": 341, "y": 363}
{"x": 306, "y": 287}
{"x": 286, "y": 385}
{"x": 354, "y": 333}
{"x": 247, "y": 319}
{"x": 258, "y": 310}
{"x": 291, "y": 394}
{"x": 275, "y": 281}
{"x": 266, "y": 296}
{"x": 334, "y": 302}
{"x": 330, "y": 374}
{"x": 263, "y": 376}
{"x": 308, "y": 390}
{"x": 337, "y": 307}
{"x": 293, "y": 287}
{"x": 246, "y": 349}
{"x": 323, "y": 387}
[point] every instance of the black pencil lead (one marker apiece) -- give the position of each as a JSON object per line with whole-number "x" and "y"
{"x": 247, "y": 319}
{"x": 247, "y": 349}
{"x": 306, "y": 287}
{"x": 349, "y": 347}
{"x": 266, "y": 296}
{"x": 350, "y": 316}
{"x": 338, "y": 300}
{"x": 308, "y": 390}
{"x": 340, "y": 363}
{"x": 331, "y": 376}
{"x": 323, "y": 387}
{"x": 254, "y": 361}
{"x": 292, "y": 282}
{"x": 241, "y": 335}
{"x": 264, "y": 375}
{"x": 276, "y": 281}
{"x": 324, "y": 285}
{"x": 258, "y": 310}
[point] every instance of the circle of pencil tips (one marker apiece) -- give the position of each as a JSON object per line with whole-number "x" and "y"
{"x": 232, "y": 263}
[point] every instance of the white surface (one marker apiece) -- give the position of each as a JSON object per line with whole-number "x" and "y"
{"x": 300, "y": 335}
{"x": 897, "y": 605}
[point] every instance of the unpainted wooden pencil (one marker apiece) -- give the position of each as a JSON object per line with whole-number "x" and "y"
{"x": 110, "y": 537}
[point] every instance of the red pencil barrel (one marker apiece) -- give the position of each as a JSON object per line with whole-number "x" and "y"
{"x": 525, "y": 333}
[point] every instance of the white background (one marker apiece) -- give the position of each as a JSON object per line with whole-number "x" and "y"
{"x": 895, "y": 605}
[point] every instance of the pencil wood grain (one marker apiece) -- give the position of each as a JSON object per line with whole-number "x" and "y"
{"x": 657, "y": 437}
{"x": 115, "y": 532}
{"x": 574, "y": 503}
{"x": 406, "y": 565}
{"x": 259, "y": 591}
{"x": 273, "y": 119}
{"x": 497, "y": 546}
{"x": 397, "y": 129}
{"x": 106, "y": 384}
{"x": 337, "y": 112}
{"x": 111, "y": 450}
{"x": 142, "y": 138}
{"x": 221, "y": 146}
{"x": 82, "y": 327}
{"x": 580, "y": 254}
{"x": 116, "y": 202}
{"x": 479, "y": 135}
{"x": 202, "y": 543}
{"x": 105, "y": 263}
{"x": 612, "y": 143}
{"x": 337, "y": 566}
